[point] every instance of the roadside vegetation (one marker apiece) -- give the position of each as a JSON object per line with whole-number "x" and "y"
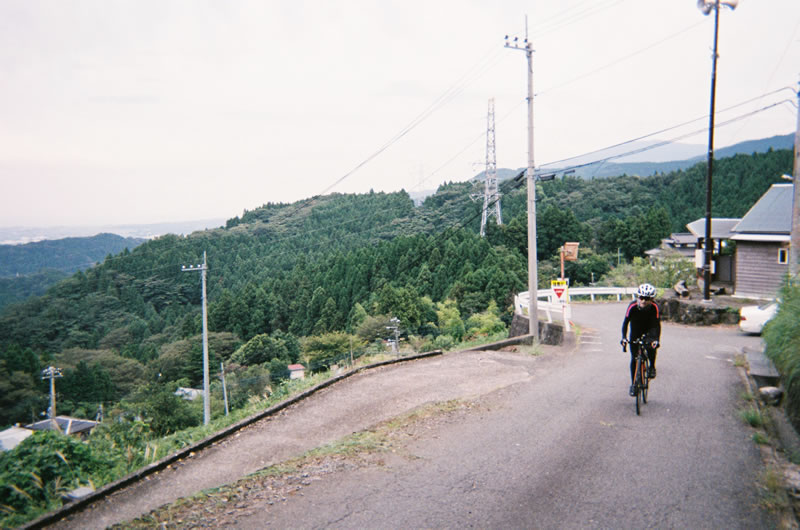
{"x": 782, "y": 339}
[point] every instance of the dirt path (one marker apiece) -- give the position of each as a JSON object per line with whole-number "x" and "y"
{"x": 355, "y": 404}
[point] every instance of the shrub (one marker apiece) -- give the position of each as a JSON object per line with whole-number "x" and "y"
{"x": 782, "y": 338}
{"x": 35, "y": 474}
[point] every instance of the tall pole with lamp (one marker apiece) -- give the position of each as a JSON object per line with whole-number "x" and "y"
{"x": 706, "y": 6}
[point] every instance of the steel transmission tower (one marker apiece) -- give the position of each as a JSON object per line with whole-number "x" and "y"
{"x": 491, "y": 197}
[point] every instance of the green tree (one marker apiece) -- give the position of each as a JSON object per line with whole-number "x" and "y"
{"x": 165, "y": 412}
{"x": 328, "y": 348}
{"x": 449, "y": 320}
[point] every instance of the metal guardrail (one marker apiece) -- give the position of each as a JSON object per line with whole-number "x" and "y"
{"x": 549, "y": 302}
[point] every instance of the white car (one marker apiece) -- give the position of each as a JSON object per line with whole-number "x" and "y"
{"x": 753, "y": 317}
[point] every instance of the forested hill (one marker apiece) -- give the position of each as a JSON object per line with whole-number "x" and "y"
{"x": 30, "y": 269}
{"x": 64, "y": 255}
{"x": 333, "y": 263}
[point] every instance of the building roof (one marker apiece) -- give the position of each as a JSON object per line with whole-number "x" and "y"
{"x": 721, "y": 227}
{"x": 296, "y": 367}
{"x": 66, "y": 424}
{"x": 771, "y": 214}
{"x": 12, "y": 437}
{"x": 686, "y": 238}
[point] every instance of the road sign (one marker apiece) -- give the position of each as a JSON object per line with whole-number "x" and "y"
{"x": 559, "y": 287}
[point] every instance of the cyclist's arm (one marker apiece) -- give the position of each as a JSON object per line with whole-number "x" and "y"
{"x": 626, "y": 321}
{"x": 655, "y": 332}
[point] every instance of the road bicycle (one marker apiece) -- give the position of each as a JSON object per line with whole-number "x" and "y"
{"x": 641, "y": 381}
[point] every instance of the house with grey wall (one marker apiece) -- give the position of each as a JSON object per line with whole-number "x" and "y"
{"x": 762, "y": 244}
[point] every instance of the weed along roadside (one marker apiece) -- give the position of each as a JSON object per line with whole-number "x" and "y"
{"x": 762, "y": 409}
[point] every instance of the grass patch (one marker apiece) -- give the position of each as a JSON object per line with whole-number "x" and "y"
{"x": 793, "y": 457}
{"x": 773, "y": 491}
{"x": 479, "y": 341}
{"x": 739, "y": 361}
{"x": 760, "y": 438}
{"x": 747, "y": 396}
{"x": 752, "y": 416}
{"x": 534, "y": 349}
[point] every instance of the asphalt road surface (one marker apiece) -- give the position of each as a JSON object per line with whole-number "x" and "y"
{"x": 565, "y": 449}
{"x": 555, "y": 443}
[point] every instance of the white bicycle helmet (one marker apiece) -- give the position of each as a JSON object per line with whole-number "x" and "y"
{"x": 646, "y": 290}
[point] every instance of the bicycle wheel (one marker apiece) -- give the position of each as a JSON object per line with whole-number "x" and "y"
{"x": 637, "y": 385}
{"x": 645, "y": 382}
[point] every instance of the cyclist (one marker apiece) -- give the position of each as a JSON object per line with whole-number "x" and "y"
{"x": 643, "y": 317}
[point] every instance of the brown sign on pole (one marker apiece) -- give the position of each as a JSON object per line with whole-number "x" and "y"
{"x": 571, "y": 251}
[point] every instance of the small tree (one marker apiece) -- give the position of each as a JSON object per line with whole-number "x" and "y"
{"x": 449, "y": 320}
{"x": 324, "y": 350}
{"x": 486, "y": 323}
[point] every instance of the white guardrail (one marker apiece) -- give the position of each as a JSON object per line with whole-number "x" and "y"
{"x": 549, "y": 301}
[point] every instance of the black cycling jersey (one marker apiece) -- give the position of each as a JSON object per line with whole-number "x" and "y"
{"x": 643, "y": 321}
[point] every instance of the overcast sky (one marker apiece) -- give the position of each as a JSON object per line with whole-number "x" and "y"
{"x": 146, "y": 111}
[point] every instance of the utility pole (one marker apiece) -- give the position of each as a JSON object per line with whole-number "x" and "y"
{"x": 52, "y": 373}
{"x": 491, "y": 196}
{"x": 533, "y": 277}
{"x": 705, "y": 7}
{"x": 794, "y": 245}
{"x": 206, "y": 395}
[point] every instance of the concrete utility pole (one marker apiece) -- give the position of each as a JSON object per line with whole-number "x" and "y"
{"x": 533, "y": 276}
{"x": 794, "y": 245}
{"x": 206, "y": 394}
{"x": 52, "y": 373}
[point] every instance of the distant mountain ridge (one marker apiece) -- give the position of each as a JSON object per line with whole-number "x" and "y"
{"x": 66, "y": 255}
{"x": 594, "y": 167}
{"x": 615, "y": 167}
{"x": 17, "y": 235}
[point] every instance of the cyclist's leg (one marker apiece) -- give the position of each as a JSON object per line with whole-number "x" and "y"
{"x": 633, "y": 370}
{"x": 651, "y": 355}
{"x": 638, "y": 384}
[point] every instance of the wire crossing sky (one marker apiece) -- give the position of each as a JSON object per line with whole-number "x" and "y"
{"x": 168, "y": 110}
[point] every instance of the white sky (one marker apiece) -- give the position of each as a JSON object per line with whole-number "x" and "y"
{"x": 145, "y": 111}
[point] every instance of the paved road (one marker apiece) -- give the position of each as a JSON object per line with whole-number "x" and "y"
{"x": 564, "y": 449}
{"x": 555, "y": 444}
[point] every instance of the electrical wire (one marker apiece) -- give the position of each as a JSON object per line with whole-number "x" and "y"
{"x": 340, "y": 239}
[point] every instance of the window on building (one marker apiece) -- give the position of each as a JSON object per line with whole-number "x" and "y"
{"x": 783, "y": 256}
